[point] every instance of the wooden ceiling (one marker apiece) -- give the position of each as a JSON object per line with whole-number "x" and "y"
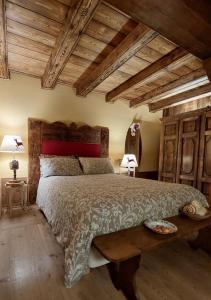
{"x": 142, "y": 51}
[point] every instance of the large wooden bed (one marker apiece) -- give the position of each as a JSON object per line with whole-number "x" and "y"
{"x": 81, "y": 208}
{"x": 39, "y": 130}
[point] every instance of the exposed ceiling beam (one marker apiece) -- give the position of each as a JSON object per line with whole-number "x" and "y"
{"x": 197, "y": 93}
{"x": 170, "y": 61}
{"x": 130, "y": 45}
{"x": 78, "y": 17}
{"x": 207, "y": 66}
{"x": 193, "y": 78}
{"x": 181, "y": 21}
{"x": 4, "y": 72}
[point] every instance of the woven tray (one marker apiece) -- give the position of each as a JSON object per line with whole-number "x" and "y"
{"x": 198, "y": 217}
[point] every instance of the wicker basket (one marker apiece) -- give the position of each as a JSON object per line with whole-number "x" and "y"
{"x": 196, "y": 217}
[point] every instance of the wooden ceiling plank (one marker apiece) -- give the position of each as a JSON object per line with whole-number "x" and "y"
{"x": 26, "y": 43}
{"x": 26, "y": 65}
{"x": 114, "y": 19}
{"x": 163, "y": 90}
{"x": 4, "y": 72}
{"x": 33, "y": 19}
{"x": 77, "y": 20}
{"x": 27, "y": 53}
{"x": 30, "y": 33}
{"x": 197, "y": 93}
{"x": 66, "y": 2}
{"x": 184, "y": 25}
{"x": 51, "y": 9}
{"x": 207, "y": 66}
{"x": 149, "y": 54}
{"x": 132, "y": 43}
{"x": 166, "y": 63}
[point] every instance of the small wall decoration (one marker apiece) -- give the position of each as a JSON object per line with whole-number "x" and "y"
{"x": 134, "y": 127}
{"x": 133, "y": 142}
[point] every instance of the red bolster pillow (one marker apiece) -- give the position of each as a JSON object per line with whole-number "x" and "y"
{"x": 66, "y": 148}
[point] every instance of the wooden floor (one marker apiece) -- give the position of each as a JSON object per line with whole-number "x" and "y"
{"x": 31, "y": 268}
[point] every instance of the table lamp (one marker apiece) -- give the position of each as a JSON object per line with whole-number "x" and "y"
{"x": 129, "y": 161}
{"x": 12, "y": 144}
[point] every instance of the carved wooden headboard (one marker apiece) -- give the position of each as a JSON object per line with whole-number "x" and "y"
{"x": 40, "y": 130}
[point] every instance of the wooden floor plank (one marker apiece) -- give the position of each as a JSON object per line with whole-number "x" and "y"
{"x": 32, "y": 267}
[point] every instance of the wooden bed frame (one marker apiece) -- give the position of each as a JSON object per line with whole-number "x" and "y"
{"x": 39, "y": 130}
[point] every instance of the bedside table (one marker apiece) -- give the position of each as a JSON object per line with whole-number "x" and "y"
{"x": 12, "y": 189}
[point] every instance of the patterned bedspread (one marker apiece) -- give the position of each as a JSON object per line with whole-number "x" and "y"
{"x": 82, "y": 207}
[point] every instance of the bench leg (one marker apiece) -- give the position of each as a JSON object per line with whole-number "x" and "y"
{"x": 203, "y": 240}
{"x": 123, "y": 276}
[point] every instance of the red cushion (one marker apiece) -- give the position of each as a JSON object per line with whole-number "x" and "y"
{"x": 64, "y": 148}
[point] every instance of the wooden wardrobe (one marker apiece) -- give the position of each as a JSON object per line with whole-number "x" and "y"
{"x": 185, "y": 150}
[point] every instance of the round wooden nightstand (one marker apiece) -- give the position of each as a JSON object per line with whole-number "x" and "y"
{"x": 16, "y": 187}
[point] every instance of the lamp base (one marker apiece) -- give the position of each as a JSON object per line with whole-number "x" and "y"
{"x": 14, "y": 165}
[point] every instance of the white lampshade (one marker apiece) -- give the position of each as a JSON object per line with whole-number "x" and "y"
{"x": 12, "y": 143}
{"x": 129, "y": 161}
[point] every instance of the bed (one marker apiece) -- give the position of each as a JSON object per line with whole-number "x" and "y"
{"x": 82, "y": 207}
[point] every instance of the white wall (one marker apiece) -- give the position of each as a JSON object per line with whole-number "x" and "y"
{"x": 22, "y": 97}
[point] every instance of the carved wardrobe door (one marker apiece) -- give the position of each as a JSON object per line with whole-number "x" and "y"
{"x": 188, "y": 149}
{"x": 168, "y": 151}
{"x": 204, "y": 169}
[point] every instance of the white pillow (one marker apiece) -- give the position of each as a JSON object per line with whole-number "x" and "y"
{"x": 92, "y": 165}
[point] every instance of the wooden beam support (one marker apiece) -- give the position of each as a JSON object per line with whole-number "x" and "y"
{"x": 197, "y": 93}
{"x": 131, "y": 44}
{"x": 170, "y": 61}
{"x": 4, "y": 72}
{"x": 207, "y": 66}
{"x": 78, "y": 17}
{"x": 184, "y": 22}
{"x": 193, "y": 78}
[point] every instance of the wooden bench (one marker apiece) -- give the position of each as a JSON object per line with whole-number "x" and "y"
{"x": 124, "y": 248}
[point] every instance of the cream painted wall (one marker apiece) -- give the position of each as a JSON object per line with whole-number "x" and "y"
{"x": 22, "y": 97}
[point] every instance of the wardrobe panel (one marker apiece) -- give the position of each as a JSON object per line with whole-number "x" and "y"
{"x": 168, "y": 151}
{"x": 204, "y": 171}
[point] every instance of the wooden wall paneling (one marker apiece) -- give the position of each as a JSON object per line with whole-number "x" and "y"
{"x": 180, "y": 23}
{"x": 188, "y": 149}
{"x": 164, "y": 90}
{"x": 4, "y": 72}
{"x": 78, "y": 18}
{"x": 204, "y": 168}
{"x": 171, "y": 60}
{"x": 187, "y": 107}
{"x": 132, "y": 43}
{"x": 196, "y": 93}
{"x": 168, "y": 150}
